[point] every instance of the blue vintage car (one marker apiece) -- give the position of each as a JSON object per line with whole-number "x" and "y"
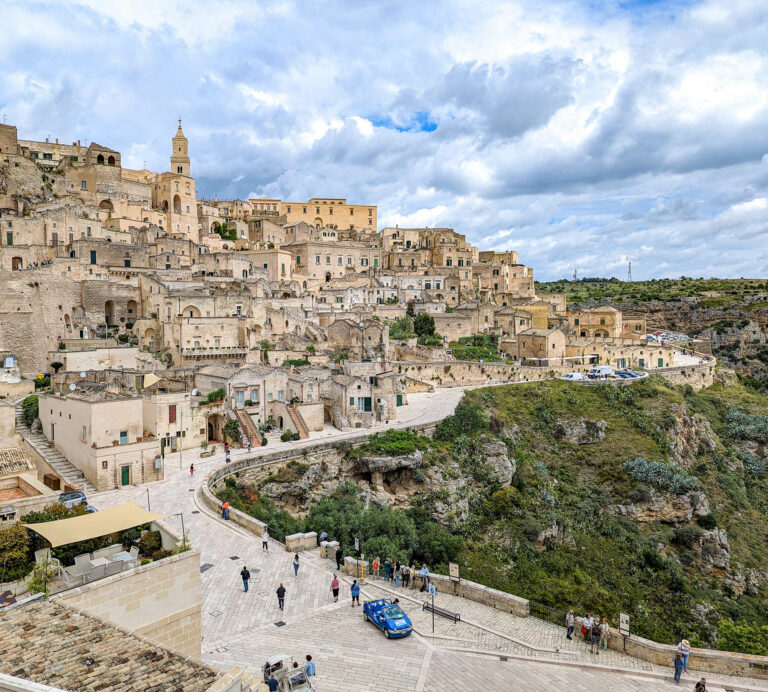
{"x": 388, "y": 617}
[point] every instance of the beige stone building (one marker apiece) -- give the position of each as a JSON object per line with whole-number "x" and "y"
{"x": 325, "y": 212}
{"x": 542, "y": 346}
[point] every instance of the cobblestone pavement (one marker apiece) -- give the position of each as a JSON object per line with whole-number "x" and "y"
{"x": 245, "y": 628}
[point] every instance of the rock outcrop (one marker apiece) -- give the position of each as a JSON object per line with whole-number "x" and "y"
{"x": 583, "y": 432}
{"x": 665, "y": 508}
{"x": 502, "y": 466}
{"x": 690, "y": 435}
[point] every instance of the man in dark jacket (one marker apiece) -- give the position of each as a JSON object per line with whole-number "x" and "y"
{"x": 339, "y": 557}
{"x": 246, "y": 575}
{"x": 281, "y": 596}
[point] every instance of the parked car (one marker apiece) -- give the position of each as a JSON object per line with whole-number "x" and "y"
{"x": 388, "y": 617}
{"x": 73, "y": 498}
{"x": 600, "y": 372}
{"x": 573, "y": 377}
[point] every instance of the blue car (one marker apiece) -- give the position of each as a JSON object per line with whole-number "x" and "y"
{"x": 388, "y": 617}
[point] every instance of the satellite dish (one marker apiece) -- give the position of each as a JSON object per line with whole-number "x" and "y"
{"x": 72, "y": 387}
{"x": 82, "y": 374}
{"x": 194, "y": 392}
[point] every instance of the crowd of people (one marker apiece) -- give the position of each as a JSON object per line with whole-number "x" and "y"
{"x": 400, "y": 574}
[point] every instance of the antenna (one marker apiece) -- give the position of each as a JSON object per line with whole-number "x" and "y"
{"x": 629, "y": 272}
{"x": 575, "y": 276}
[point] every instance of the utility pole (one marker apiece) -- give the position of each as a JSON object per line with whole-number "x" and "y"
{"x": 181, "y": 434}
{"x": 629, "y": 272}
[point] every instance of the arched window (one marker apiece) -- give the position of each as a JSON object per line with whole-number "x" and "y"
{"x": 111, "y": 161}
{"x": 100, "y": 159}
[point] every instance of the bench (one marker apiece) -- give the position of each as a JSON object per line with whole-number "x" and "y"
{"x": 442, "y": 612}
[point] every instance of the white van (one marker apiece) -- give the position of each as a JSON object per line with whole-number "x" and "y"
{"x": 600, "y": 372}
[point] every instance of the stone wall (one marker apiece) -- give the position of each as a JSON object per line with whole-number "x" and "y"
{"x": 160, "y": 601}
{"x": 480, "y": 594}
{"x": 698, "y": 376}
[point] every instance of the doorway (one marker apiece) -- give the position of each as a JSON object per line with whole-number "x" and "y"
{"x": 125, "y": 475}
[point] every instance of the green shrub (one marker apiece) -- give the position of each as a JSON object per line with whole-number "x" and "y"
{"x": 687, "y": 536}
{"x": 30, "y": 409}
{"x": 707, "y": 521}
{"x": 745, "y": 426}
{"x": 469, "y": 418}
{"x": 296, "y": 362}
{"x": 661, "y": 476}
{"x": 392, "y": 443}
{"x": 215, "y": 396}
{"x": 232, "y": 429}
{"x": 14, "y": 553}
{"x": 748, "y": 638}
{"x": 263, "y": 441}
{"x": 287, "y": 436}
{"x": 150, "y": 543}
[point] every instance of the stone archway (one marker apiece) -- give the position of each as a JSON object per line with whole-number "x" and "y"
{"x": 109, "y": 312}
{"x": 16, "y": 263}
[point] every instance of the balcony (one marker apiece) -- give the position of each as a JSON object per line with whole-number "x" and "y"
{"x": 213, "y": 352}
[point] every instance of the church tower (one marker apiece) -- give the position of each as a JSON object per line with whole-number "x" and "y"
{"x": 180, "y": 153}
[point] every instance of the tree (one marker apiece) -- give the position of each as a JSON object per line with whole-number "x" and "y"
{"x": 424, "y": 324}
{"x": 56, "y": 366}
{"x": 468, "y": 418}
{"x": 232, "y": 429}
{"x": 409, "y": 310}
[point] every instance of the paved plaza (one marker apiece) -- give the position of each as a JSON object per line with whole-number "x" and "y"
{"x": 243, "y": 629}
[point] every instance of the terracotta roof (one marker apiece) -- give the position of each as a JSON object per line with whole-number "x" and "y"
{"x": 12, "y": 460}
{"x": 52, "y": 644}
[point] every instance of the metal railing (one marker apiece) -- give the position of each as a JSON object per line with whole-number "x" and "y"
{"x": 547, "y": 613}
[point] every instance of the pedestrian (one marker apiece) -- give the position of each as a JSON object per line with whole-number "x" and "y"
{"x": 678, "y": 667}
{"x": 335, "y": 588}
{"x": 424, "y": 572}
{"x": 570, "y": 620}
{"x": 296, "y": 565}
{"x": 594, "y": 637}
{"x": 387, "y": 569}
{"x": 376, "y": 566}
{"x": 586, "y": 624}
{"x": 605, "y": 630}
{"x": 701, "y": 686}
{"x": 265, "y": 539}
{"x": 684, "y": 649}
{"x": 412, "y": 569}
{"x": 246, "y": 575}
{"x": 310, "y": 667}
{"x": 191, "y": 469}
{"x": 406, "y": 575}
{"x": 355, "y": 590}
{"x": 281, "y": 596}
{"x": 339, "y": 557}
{"x": 272, "y": 684}
{"x": 398, "y": 574}
{"x": 323, "y": 537}
{"x": 225, "y": 511}
{"x": 226, "y": 446}
{"x": 227, "y": 460}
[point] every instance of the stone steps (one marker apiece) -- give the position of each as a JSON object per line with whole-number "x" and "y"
{"x": 296, "y": 418}
{"x": 69, "y": 473}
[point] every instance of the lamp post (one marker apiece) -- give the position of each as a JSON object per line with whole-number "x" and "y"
{"x": 148, "y": 507}
{"x": 183, "y": 532}
{"x": 181, "y": 435}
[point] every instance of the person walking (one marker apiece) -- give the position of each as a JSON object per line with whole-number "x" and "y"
{"x": 684, "y": 649}
{"x": 246, "y": 575}
{"x": 272, "y": 684}
{"x": 376, "y": 567}
{"x": 678, "y": 667}
{"x": 296, "y": 565}
{"x": 413, "y": 576}
{"x": 387, "y": 569}
{"x": 355, "y": 590}
{"x": 310, "y": 667}
{"x": 570, "y": 621}
{"x": 265, "y": 540}
{"x": 335, "y": 588}
{"x": 406, "y": 575}
{"x": 595, "y": 636}
{"x": 191, "y": 469}
{"x": 701, "y": 686}
{"x": 339, "y": 557}
{"x": 605, "y": 630}
{"x": 398, "y": 574}
{"x": 281, "y": 596}
{"x": 586, "y": 627}
{"x": 225, "y": 511}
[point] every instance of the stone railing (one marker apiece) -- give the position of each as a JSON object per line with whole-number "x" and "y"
{"x": 479, "y": 594}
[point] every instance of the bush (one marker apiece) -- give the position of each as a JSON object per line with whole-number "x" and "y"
{"x": 287, "y": 436}
{"x": 424, "y": 324}
{"x": 215, "y": 396}
{"x": 263, "y": 441}
{"x": 14, "y": 553}
{"x": 392, "y": 443}
{"x": 661, "y": 476}
{"x": 748, "y": 638}
{"x": 687, "y": 536}
{"x": 745, "y": 426}
{"x": 402, "y": 328}
{"x": 707, "y": 521}
{"x": 150, "y": 543}
{"x": 296, "y": 362}
{"x": 232, "y": 429}
{"x": 469, "y": 418}
{"x": 30, "y": 408}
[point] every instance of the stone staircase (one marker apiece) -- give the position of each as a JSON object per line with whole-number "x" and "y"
{"x": 297, "y": 421}
{"x": 70, "y": 474}
{"x": 247, "y": 427}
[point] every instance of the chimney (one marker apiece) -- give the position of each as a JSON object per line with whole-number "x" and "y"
{"x": 57, "y": 140}
{"x": 46, "y": 139}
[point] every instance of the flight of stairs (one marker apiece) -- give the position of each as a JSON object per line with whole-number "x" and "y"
{"x": 56, "y": 460}
{"x": 297, "y": 421}
{"x": 248, "y": 428}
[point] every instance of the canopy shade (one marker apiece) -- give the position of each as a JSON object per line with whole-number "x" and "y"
{"x": 150, "y": 379}
{"x": 95, "y": 525}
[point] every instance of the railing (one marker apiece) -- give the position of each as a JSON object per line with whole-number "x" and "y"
{"x": 547, "y": 613}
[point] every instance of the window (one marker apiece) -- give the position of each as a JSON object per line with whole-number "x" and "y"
{"x": 217, "y": 343}
{"x": 35, "y": 155}
{"x": 602, "y": 320}
{"x": 93, "y": 256}
{"x": 298, "y": 260}
{"x": 370, "y": 212}
{"x": 461, "y": 263}
{"x": 269, "y": 396}
{"x": 87, "y": 230}
{"x": 317, "y": 259}
{"x": 281, "y": 395}
{"x": 84, "y": 434}
{"x": 351, "y": 212}
{"x": 9, "y": 238}
{"x": 282, "y": 268}
{"x": 351, "y": 401}
{"x": 304, "y": 210}
{"x": 240, "y": 397}
{"x": 330, "y": 211}
{"x": 340, "y": 260}
{"x": 349, "y": 261}
{"x": 437, "y": 285}
{"x": 495, "y": 272}
{"x": 73, "y": 159}
{"x": 449, "y": 262}
{"x": 197, "y": 344}
{"x": 428, "y": 285}
{"x": 576, "y": 322}
{"x": 123, "y": 437}
{"x": 317, "y": 210}
{"x": 364, "y": 261}
{"x": 375, "y": 261}
{"x": 327, "y": 259}
{"x": 48, "y": 157}
{"x": 255, "y": 395}
{"x": 289, "y": 210}
{"x": 83, "y": 185}
{"x": 172, "y": 407}
{"x": 339, "y": 299}
{"x": 495, "y": 287}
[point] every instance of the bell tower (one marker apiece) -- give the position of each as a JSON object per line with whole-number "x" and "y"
{"x": 180, "y": 153}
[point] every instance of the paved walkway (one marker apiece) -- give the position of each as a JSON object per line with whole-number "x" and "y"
{"x": 244, "y": 629}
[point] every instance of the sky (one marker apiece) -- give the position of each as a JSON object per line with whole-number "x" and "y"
{"x": 584, "y": 134}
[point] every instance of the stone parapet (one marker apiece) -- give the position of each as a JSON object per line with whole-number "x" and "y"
{"x": 479, "y": 593}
